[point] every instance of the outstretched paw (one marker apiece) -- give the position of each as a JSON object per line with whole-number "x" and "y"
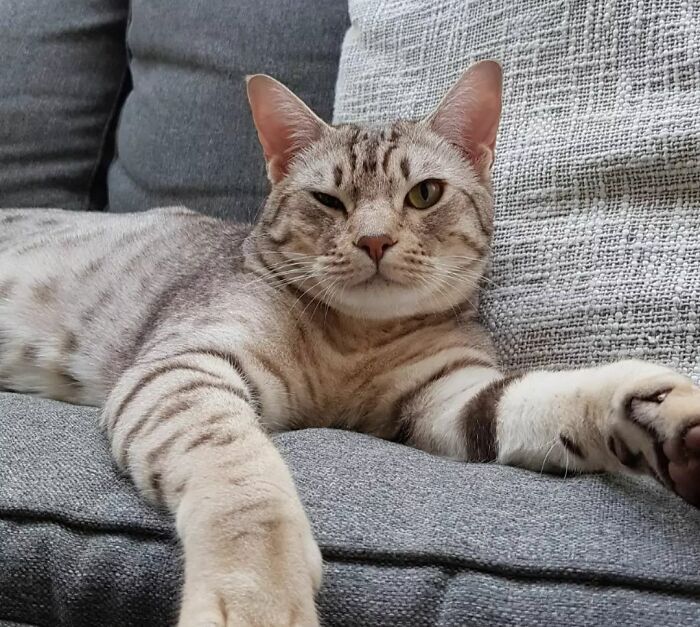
{"x": 683, "y": 454}
{"x": 658, "y": 428}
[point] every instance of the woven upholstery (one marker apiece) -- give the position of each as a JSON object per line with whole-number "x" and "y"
{"x": 597, "y": 176}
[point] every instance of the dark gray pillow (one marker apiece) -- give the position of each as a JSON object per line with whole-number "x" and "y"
{"x": 185, "y": 134}
{"x": 62, "y": 73}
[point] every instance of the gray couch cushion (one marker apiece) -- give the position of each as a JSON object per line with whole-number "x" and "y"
{"x": 186, "y": 135}
{"x": 408, "y": 539}
{"x": 63, "y": 67}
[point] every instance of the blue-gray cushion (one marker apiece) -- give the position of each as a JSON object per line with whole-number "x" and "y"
{"x": 62, "y": 73}
{"x": 408, "y": 539}
{"x": 185, "y": 134}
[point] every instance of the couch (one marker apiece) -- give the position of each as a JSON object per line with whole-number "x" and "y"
{"x": 107, "y": 105}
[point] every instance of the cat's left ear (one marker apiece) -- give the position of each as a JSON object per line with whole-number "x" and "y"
{"x": 469, "y": 113}
{"x": 285, "y": 124}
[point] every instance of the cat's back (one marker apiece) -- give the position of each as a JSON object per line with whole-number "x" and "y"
{"x": 36, "y": 234}
{"x": 87, "y": 284}
{"x": 51, "y": 252}
{"x": 35, "y": 243}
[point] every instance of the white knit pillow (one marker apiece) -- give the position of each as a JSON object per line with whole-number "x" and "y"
{"x": 597, "y": 174}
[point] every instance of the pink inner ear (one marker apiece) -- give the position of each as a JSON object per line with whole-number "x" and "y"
{"x": 468, "y": 115}
{"x": 284, "y": 123}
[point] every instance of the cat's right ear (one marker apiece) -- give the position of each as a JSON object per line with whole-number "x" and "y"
{"x": 285, "y": 124}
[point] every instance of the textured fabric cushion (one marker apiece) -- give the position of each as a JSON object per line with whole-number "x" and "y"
{"x": 62, "y": 71}
{"x": 408, "y": 539}
{"x": 596, "y": 252}
{"x": 186, "y": 135}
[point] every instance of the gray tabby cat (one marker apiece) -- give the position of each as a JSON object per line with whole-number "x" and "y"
{"x": 350, "y": 304}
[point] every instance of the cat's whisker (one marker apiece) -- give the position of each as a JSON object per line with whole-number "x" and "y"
{"x": 460, "y": 257}
{"x": 318, "y": 283}
{"x": 465, "y": 276}
{"x": 442, "y": 288}
{"x": 323, "y": 286}
{"x": 272, "y": 280}
{"x": 466, "y": 298}
{"x": 318, "y": 299}
{"x": 469, "y": 284}
{"x": 454, "y": 268}
{"x": 291, "y": 266}
{"x": 340, "y": 287}
{"x": 455, "y": 308}
{"x": 280, "y": 283}
{"x": 326, "y": 297}
{"x": 551, "y": 448}
{"x": 288, "y": 271}
{"x": 272, "y": 252}
{"x": 462, "y": 271}
{"x": 282, "y": 269}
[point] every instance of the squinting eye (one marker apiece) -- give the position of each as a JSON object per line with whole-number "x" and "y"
{"x": 329, "y": 201}
{"x": 425, "y": 194}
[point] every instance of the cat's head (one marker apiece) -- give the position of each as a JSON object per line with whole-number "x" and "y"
{"x": 381, "y": 222}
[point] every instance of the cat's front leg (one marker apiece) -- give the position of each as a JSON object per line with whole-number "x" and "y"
{"x": 629, "y": 415}
{"x": 186, "y": 429}
{"x": 250, "y": 557}
{"x": 625, "y": 416}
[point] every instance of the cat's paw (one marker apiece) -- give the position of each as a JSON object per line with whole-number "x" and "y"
{"x": 657, "y": 427}
{"x": 270, "y": 579}
{"x": 683, "y": 454}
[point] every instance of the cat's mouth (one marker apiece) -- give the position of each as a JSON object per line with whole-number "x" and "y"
{"x": 378, "y": 279}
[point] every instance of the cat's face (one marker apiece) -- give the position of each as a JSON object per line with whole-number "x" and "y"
{"x": 385, "y": 222}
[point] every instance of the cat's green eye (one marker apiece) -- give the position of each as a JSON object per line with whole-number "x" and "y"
{"x": 425, "y": 194}
{"x": 329, "y": 201}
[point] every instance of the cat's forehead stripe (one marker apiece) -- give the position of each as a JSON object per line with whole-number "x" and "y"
{"x": 368, "y": 152}
{"x": 371, "y": 149}
{"x": 405, "y": 169}
{"x": 338, "y": 175}
{"x": 387, "y": 154}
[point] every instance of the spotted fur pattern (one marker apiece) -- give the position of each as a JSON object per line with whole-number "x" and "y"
{"x": 199, "y": 337}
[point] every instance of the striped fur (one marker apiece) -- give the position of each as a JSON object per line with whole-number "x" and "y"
{"x": 199, "y": 337}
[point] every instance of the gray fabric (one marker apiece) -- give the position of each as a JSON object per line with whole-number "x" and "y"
{"x": 596, "y": 251}
{"x": 408, "y": 538}
{"x": 63, "y": 66}
{"x": 186, "y": 135}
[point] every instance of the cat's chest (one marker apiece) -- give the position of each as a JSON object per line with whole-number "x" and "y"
{"x": 337, "y": 383}
{"x": 341, "y": 389}
{"x": 351, "y": 378}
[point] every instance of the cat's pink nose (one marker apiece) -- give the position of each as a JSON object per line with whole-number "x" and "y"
{"x": 375, "y": 245}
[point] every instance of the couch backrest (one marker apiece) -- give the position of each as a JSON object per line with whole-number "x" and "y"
{"x": 75, "y": 133}
{"x": 186, "y": 135}
{"x": 63, "y": 72}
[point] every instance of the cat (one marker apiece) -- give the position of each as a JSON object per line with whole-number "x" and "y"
{"x": 351, "y": 303}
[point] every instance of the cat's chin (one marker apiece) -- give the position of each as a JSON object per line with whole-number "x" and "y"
{"x": 382, "y": 299}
